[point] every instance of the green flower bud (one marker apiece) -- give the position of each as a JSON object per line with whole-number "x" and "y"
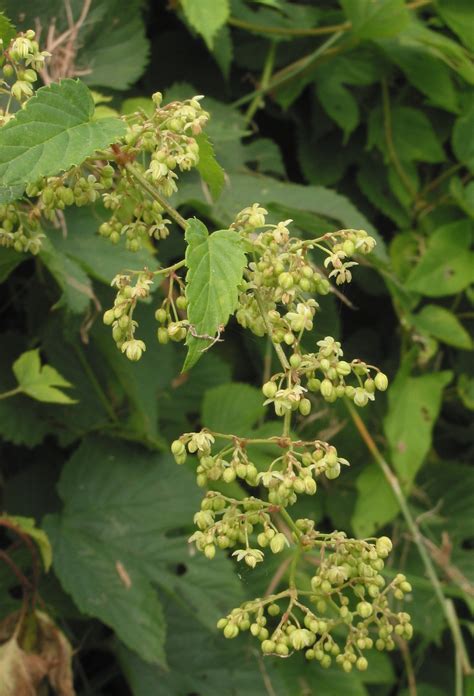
{"x": 362, "y": 664}
{"x": 269, "y": 389}
{"x": 231, "y": 631}
{"x": 285, "y": 281}
{"x": 383, "y": 546}
{"x": 304, "y": 407}
{"x": 210, "y": 551}
{"x": 177, "y": 447}
{"x": 278, "y": 543}
{"x": 364, "y": 609}
{"x": 295, "y": 360}
{"x": 326, "y": 388}
{"x": 161, "y": 315}
{"x": 381, "y": 381}
{"x": 360, "y": 397}
{"x": 109, "y": 317}
{"x": 181, "y": 302}
{"x": 310, "y": 486}
{"x": 332, "y": 472}
{"x": 8, "y": 71}
{"x": 229, "y": 475}
{"x": 268, "y": 646}
{"x": 273, "y": 609}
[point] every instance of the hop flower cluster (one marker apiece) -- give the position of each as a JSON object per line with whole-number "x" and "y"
{"x": 120, "y": 316}
{"x": 19, "y": 231}
{"x": 225, "y": 523}
{"x": 291, "y": 474}
{"x": 283, "y": 274}
{"x": 22, "y": 60}
{"x": 346, "y": 611}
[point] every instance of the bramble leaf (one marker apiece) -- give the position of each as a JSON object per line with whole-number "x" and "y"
{"x": 115, "y": 494}
{"x": 53, "y": 132}
{"x": 215, "y": 267}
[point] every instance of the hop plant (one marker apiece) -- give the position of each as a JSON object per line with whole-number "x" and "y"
{"x": 347, "y": 606}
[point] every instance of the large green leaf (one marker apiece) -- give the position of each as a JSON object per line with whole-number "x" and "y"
{"x": 7, "y": 30}
{"x": 443, "y": 325}
{"x": 215, "y": 266}
{"x": 414, "y": 405}
{"x": 116, "y": 537}
{"x": 53, "y": 132}
{"x": 206, "y": 16}
{"x": 372, "y": 19}
{"x": 232, "y": 408}
{"x": 447, "y": 265}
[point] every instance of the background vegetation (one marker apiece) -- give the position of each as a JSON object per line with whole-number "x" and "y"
{"x": 350, "y": 114}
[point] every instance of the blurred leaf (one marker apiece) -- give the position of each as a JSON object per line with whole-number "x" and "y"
{"x": 376, "y": 504}
{"x": 443, "y": 325}
{"x": 215, "y": 265}
{"x": 7, "y": 30}
{"x": 412, "y": 133}
{"x": 372, "y": 19}
{"x": 447, "y": 265}
{"x": 206, "y": 16}
{"x": 462, "y": 140}
{"x": 458, "y": 15}
{"x": 40, "y": 382}
{"x": 232, "y": 408}
{"x": 9, "y": 260}
{"x": 414, "y": 405}
{"x": 53, "y": 132}
{"x": 465, "y": 389}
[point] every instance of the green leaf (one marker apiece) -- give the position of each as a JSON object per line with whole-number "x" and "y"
{"x": 76, "y": 286}
{"x": 339, "y": 103}
{"x": 367, "y": 517}
{"x": 425, "y": 71}
{"x": 465, "y": 390}
{"x": 413, "y": 135}
{"x": 414, "y": 405}
{"x": 206, "y": 16}
{"x": 11, "y": 193}
{"x": 117, "y": 537}
{"x": 443, "y": 325}
{"x": 27, "y": 525}
{"x": 459, "y": 16}
{"x": 116, "y": 47}
{"x": 7, "y": 31}
{"x": 373, "y": 19}
{"x": 232, "y": 408}
{"x": 462, "y": 140}
{"x": 215, "y": 266}
{"x": 223, "y": 50}
{"x": 447, "y": 266}
{"x": 40, "y": 382}
{"x": 208, "y": 167}
{"x": 52, "y": 133}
